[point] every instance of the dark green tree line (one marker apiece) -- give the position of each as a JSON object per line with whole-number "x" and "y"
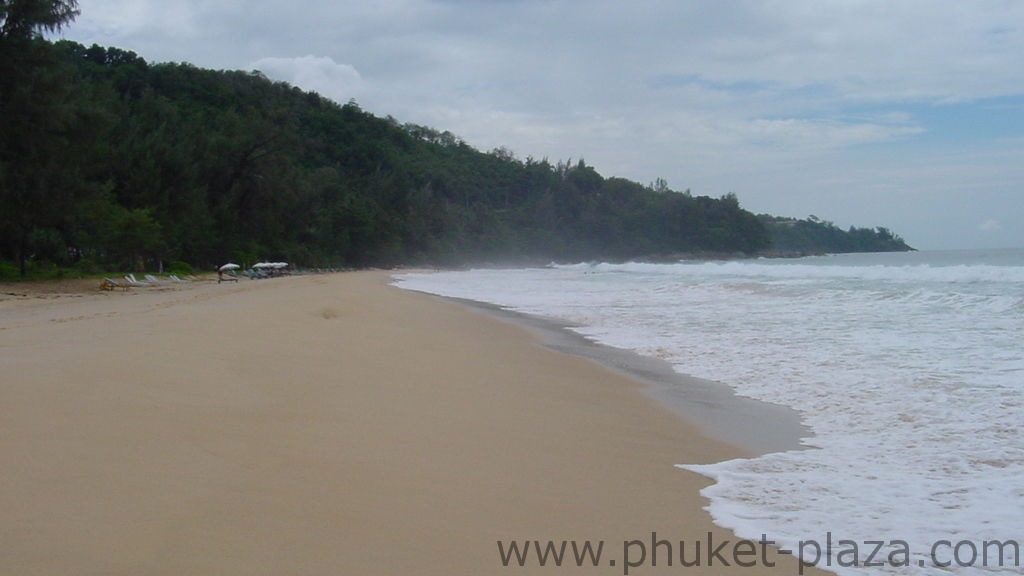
{"x": 813, "y": 235}
{"x": 110, "y": 161}
{"x": 42, "y": 118}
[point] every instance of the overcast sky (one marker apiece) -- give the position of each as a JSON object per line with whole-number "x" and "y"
{"x": 907, "y": 114}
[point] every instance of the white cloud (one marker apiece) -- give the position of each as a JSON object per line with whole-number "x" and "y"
{"x": 321, "y": 74}
{"x": 989, "y": 226}
{"x": 806, "y": 135}
{"x": 119, "y": 19}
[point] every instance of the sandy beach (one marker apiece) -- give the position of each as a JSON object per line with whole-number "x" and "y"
{"x": 326, "y": 425}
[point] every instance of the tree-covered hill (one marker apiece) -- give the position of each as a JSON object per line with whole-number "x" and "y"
{"x": 812, "y": 235}
{"x": 107, "y": 161}
{"x": 144, "y": 163}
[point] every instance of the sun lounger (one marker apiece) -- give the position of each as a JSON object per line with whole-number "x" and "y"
{"x": 112, "y": 285}
{"x": 130, "y": 279}
{"x": 177, "y": 280}
{"x": 154, "y": 280}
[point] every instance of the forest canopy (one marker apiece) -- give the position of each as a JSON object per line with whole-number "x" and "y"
{"x": 108, "y": 161}
{"x": 812, "y": 235}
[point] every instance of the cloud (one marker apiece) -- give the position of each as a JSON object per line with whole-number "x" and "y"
{"x": 131, "y": 22}
{"x": 820, "y": 134}
{"x": 989, "y": 226}
{"x": 321, "y": 74}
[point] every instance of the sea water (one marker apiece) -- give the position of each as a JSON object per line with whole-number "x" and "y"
{"x": 908, "y": 370}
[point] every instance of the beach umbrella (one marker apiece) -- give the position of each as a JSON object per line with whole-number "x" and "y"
{"x": 229, "y": 266}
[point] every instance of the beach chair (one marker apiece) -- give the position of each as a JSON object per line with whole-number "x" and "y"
{"x": 226, "y": 277}
{"x": 131, "y": 281}
{"x": 177, "y": 280}
{"x": 153, "y": 279}
{"x": 111, "y": 285}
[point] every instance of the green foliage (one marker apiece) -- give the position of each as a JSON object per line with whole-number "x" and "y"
{"x": 125, "y": 163}
{"x": 9, "y": 270}
{"x": 34, "y": 270}
{"x": 179, "y": 267}
{"x": 27, "y": 19}
{"x": 89, "y": 267}
{"x": 816, "y": 236}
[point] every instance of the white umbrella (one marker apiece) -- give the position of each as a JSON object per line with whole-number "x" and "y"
{"x": 229, "y": 266}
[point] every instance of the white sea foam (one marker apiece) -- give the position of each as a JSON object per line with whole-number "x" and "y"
{"x": 909, "y": 370}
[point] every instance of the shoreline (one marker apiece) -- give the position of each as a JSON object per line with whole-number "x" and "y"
{"x": 754, "y": 426}
{"x": 328, "y": 424}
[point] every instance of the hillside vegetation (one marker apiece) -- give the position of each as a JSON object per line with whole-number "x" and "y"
{"x": 107, "y": 161}
{"x": 812, "y": 235}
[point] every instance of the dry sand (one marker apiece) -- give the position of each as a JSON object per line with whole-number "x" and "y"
{"x": 322, "y": 425}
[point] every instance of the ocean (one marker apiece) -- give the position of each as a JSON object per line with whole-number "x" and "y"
{"x": 907, "y": 369}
